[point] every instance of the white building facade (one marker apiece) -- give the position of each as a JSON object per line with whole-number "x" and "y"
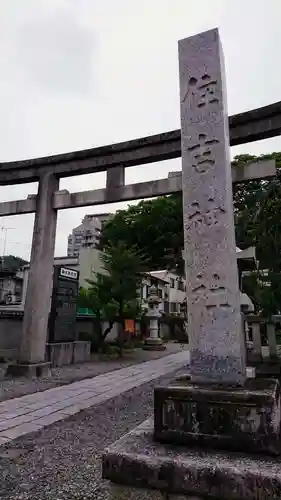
{"x": 171, "y": 290}
{"x": 84, "y": 236}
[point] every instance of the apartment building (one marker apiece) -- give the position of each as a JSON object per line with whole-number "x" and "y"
{"x": 103, "y": 218}
{"x": 86, "y": 235}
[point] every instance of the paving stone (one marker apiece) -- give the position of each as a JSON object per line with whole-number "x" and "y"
{"x": 31, "y": 412}
{"x": 20, "y": 430}
{"x": 28, "y": 417}
{"x": 50, "y": 419}
{"x": 96, "y": 400}
{"x": 13, "y": 422}
{"x": 72, "y": 410}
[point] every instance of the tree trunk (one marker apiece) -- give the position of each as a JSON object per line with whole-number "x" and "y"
{"x": 107, "y": 330}
{"x": 97, "y": 333}
{"x": 121, "y": 326}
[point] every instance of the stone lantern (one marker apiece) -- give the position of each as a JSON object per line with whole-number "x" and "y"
{"x": 153, "y": 342}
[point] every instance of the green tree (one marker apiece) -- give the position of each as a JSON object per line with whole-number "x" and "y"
{"x": 115, "y": 294}
{"x": 257, "y": 206}
{"x": 153, "y": 227}
{"x": 12, "y": 263}
{"x": 97, "y": 299}
{"x": 124, "y": 268}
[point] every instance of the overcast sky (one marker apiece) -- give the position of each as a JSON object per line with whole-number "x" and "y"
{"x": 77, "y": 74}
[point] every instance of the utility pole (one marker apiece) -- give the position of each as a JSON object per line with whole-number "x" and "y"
{"x": 6, "y": 229}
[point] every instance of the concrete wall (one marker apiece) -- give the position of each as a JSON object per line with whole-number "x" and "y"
{"x": 10, "y": 334}
{"x": 11, "y": 329}
{"x": 89, "y": 262}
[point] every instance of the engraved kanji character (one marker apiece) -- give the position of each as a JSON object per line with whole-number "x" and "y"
{"x": 203, "y": 90}
{"x": 201, "y": 153}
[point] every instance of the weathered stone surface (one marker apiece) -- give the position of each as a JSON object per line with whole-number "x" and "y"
{"x": 81, "y": 351}
{"x": 136, "y": 461}
{"x": 257, "y": 347}
{"x": 271, "y": 339}
{"x": 217, "y": 344}
{"x": 29, "y": 370}
{"x": 152, "y": 345}
{"x": 253, "y": 125}
{"x": 115, "y": 179}
{"x": 64, "y": 199}
{"x": 240, "y": 419}
{"x": 60, "y": 354}
{"x": 153, "y": 342}
{"x": 3, "y": 370}
{"x": 40, "y": 280}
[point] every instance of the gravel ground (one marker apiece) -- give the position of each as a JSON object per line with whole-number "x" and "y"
{"x": 16, "y": 387}
{"x": 63, "y": 461}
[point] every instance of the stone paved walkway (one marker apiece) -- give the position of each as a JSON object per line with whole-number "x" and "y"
{"x": 15, "y": 387}
{"x": 30, "y": 413}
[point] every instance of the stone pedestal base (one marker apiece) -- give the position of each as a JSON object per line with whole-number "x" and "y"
{"x": 59, "y": 354}
{"x": 29, "y": 370}
{"x": 181, "y": 473}
{"x": 254, "y": 359}
{"x": 268, "y": 370}
{"x": 81, "y": 351}
{"x": 234, "y": 418}
{"x": 265, "y": 367}
{"x": 153, "y": 344}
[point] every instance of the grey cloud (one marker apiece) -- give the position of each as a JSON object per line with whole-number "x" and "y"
{"x": 57, "y": 53}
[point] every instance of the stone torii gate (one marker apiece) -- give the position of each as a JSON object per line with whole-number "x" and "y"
{"x": 250, "y": 126}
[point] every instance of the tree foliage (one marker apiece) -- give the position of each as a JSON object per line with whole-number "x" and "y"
{"x": 257, "y": 220}
{"x": 124, "y": 268}
{"x": 155, "y": 228}
{"x": 114, "y": 295}
{"x": 12, "y": 263}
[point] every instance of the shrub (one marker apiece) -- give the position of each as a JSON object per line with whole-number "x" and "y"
{"x": 90, "y": 337}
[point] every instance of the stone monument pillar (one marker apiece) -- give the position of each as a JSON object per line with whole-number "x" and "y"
{"x": 196, "y": 412}
{"x": 217, "y": 407}
{"x": 40, "y": 281}
{"x": 153, "y": 342}
{"x": 216, "y": 339}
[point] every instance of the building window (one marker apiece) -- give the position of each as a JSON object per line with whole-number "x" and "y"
{"x": 173, "y": 307}
{"x": 181, "y": 285}
{"x": 172, "y": 283}
{"x": 160, "y": 293}
{"x": 166, "y": 307}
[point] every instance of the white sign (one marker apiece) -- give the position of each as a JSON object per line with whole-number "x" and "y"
{"x": 68, "y": 273}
